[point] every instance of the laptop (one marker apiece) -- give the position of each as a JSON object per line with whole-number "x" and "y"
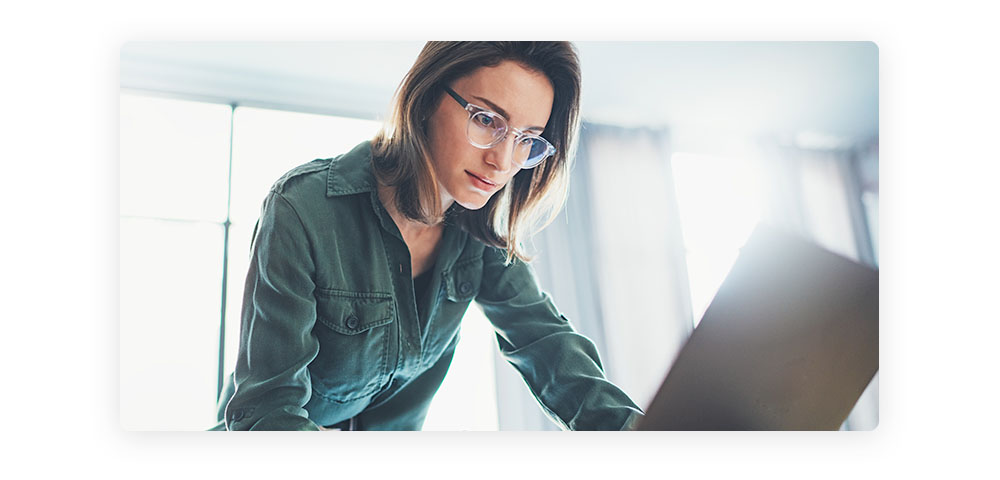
{"x": 790, "y": 342}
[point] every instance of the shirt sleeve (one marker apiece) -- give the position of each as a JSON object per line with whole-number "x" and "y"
{"x": 276, "y": 340}
{"x": 560, "y": 366}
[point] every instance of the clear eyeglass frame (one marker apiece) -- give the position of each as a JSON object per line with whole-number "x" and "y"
{"x": 480, "y": 113}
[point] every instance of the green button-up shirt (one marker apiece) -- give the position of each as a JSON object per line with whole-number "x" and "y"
{"x": 331, "y": 332}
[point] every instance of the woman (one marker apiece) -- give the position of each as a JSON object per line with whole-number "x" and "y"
{"x": 363, "y": 265}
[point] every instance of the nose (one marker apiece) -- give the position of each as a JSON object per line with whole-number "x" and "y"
{"x": 501, "y": 156}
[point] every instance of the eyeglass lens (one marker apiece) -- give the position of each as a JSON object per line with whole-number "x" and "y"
{"x": 487, "y": 129}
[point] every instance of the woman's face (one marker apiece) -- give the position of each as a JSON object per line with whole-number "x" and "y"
{"x": 470, "y": 175}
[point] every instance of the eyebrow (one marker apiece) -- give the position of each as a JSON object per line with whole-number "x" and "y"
{"x": 503, "y": 112}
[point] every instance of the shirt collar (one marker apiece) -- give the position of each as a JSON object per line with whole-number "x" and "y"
{"x": 351, "y": 172}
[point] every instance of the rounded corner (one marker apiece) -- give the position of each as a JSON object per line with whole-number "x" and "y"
{"x": 873, "y": 44}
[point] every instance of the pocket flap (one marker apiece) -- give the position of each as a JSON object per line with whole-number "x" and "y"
{"x": 350, "y": 313}
{"x": 463, "y": 279}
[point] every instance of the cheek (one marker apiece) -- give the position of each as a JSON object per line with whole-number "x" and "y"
{"x": 446, "y": 159}
{"x": 446, "y": 152}
{"x": 439, "y": 153}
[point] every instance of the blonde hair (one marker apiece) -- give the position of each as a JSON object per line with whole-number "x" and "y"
{"x": 532, "y": 199}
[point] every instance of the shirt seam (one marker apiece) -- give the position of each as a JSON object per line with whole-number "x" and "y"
{"x": 305, "y": 231}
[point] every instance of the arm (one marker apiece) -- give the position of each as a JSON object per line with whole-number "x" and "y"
{"x": 276, "y": 340}
{"x": 561, "y": 367}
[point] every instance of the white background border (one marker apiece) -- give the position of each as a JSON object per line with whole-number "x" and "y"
{"x": 939, "y": 235}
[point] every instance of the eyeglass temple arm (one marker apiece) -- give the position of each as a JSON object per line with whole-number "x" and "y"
{"x": 461, "y": 101}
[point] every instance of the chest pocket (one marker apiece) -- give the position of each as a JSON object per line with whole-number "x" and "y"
{"x": 355, "y": 337}
{"x": 462, "y": 281}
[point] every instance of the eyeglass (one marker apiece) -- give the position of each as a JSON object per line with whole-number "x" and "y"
{"x": 487, "y": 129}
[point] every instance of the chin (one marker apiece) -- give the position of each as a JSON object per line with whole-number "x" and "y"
{"x": 472, "y": 200}
{"x": 473, "y": 204}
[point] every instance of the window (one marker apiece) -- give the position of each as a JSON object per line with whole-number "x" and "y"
{"x": 192, "y": 175}
{"x": 171, "y": 232}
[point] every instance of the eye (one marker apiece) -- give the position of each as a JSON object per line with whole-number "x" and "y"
{"x": 484, "y": 120}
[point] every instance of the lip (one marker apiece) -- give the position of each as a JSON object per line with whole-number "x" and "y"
{"x": 482, "y": 183}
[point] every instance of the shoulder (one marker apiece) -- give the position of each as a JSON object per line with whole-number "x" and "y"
{"x": 347, "y": 174}
{"x": 304, "y": 179}
{"x": 303, "y": 191}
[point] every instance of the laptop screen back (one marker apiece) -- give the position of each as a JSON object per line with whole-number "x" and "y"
{"x": 789, "y": 342}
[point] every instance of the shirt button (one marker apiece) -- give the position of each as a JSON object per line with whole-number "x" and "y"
{"x": 465, "y": 288}
{"x": 352, "y": 322}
